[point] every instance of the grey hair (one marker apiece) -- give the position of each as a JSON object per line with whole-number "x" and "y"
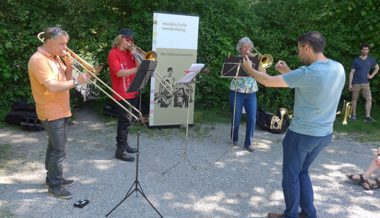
{"x": 242, "y": 41}
{"x": 54, "y": 32}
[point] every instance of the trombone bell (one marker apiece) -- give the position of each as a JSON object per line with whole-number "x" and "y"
{"x": 266, "y": 60}
{"x": 151, "y": 56}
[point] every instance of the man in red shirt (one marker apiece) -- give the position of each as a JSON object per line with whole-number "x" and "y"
{"x": 123, "y": 67}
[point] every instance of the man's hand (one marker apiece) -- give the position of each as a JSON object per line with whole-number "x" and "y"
{"x": 83, "y": 78}
{"x": 67, "y": 60}
{"x": 350, "y": 87}
{"x": 282, "y": 67}
{"x": 369, "y": 76}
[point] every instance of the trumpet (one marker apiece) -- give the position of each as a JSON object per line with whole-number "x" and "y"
{"x": 265, "y": 60}
{"x": 94, "y": 71}
{"x": 141, "y": 55}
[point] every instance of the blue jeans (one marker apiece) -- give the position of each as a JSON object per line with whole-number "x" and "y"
{"x": 249, "y": 102}
{"x": 299, "y": 153}
{"x": 56, "y": 150}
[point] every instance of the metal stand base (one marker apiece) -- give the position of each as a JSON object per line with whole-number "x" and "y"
{"x": 136, "y": 183}
{"x": 185, "y": 156}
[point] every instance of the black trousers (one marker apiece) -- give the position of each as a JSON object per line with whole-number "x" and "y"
{"x": 123, "y": 123}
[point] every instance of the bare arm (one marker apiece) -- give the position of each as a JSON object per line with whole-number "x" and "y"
{"x": 128, "y": 72}
{"x": 352, "y": 71}
{"x": 69, "y": 67}
{"x": 374, "y": 72}
{"x": 264, "y": 78}
{"x": 59, "y": 86}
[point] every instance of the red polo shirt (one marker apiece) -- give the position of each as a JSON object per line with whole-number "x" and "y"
{"x": 117, "y": 60}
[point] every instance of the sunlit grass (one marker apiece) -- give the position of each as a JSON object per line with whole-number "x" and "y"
{"x": 360, "y": 130}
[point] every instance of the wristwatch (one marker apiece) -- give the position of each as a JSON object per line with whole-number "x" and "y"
{"x": 75, "y": 82}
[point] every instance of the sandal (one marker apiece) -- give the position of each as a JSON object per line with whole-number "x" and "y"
{"x": 356, "y": 180}
{"x": 377, "y": 185}
{"x": 367, "y": 185}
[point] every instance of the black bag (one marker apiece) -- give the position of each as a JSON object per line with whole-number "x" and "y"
{"x": 274, "y": 123}
{"x": 24, "y": 114}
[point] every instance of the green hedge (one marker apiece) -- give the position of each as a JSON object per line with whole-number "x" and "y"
{"x": 272, "y": 25}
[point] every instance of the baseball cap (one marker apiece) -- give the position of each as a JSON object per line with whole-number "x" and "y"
{"x": 127, "y": 32}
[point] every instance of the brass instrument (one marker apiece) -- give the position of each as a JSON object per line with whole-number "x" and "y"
{"x": 94, "y": 71}
{"x": 152, "y": 56}
{"x": 265, "y": 60}
{"x": 277, "y": 122}
{"x": 347, "y": 110}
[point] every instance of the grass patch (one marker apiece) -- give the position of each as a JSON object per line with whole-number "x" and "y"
{"x": 3, "y": 112}
{"x": 360, "y": 130}
{"x": 4, "y": 151}
{"x": 211, "y": 115}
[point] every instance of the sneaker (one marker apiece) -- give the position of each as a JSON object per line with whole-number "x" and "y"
{"x": 234, "y": 144}
{"x": 249, "y": 148}
{"x": 59, "y": 192}
{"x": 353, "y": 118}
{"x": 369, "y": 120}
{"x": 66, "y": 182}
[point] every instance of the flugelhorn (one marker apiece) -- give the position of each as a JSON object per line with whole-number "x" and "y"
{"x": 347, "y": 110}
{"x": 141, "y": 55}
{"x": 94, "y": 71}
{"x": 278, "y": 121}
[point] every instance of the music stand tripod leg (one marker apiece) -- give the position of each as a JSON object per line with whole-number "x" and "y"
{"x": 136, "y": 184}
{"x": 185, "y": 156}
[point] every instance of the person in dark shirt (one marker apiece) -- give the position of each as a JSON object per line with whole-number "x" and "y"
{"x": 359, "y": 80}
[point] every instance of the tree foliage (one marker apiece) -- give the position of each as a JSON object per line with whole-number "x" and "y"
{"x": 272, "y": 25}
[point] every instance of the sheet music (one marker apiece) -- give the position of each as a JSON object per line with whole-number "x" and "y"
{"x": 192, "y": 72}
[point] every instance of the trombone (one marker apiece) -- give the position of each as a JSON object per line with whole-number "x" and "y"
{"x": 265, "y": 60}
{"x": 151, "y": 56}
{"x": 94, "y": 71}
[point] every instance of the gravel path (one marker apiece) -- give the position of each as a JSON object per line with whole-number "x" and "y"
{"x": 227, "y": 182}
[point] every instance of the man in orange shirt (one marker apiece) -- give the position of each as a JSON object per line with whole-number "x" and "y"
{"x": 51, "y": 79}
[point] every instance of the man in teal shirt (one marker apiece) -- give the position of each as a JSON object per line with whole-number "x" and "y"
{"x": 318, "y": 86}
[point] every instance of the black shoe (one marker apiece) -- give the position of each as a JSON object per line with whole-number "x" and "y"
{"x": 66, "y": 182}
{"x": 59, "y": 192}
{"x": 131, "y": 149}
{"x": 123, "y": 155}
{"x": 369, "y": 120}
{"x": 249, "y": 148}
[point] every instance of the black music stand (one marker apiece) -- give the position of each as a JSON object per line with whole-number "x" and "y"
{"x": 233, "y": 67}
{"x": 144, "y": 73}
{"x": 187, "y": 80}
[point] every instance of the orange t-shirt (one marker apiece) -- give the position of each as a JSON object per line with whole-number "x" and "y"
{"x": 43, "y": 67}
